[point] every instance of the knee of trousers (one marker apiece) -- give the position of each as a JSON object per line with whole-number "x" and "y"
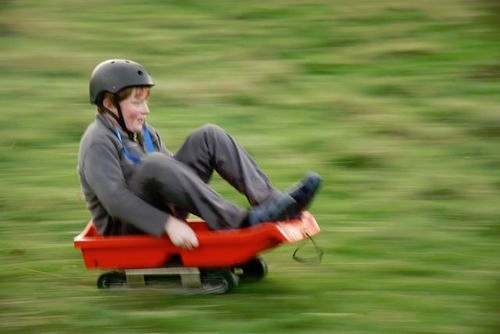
{"x": 208, "y": 131}
{"x": 155, "y": 164}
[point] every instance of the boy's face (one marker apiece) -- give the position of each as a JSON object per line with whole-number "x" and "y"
{"x": 134, "y": 109}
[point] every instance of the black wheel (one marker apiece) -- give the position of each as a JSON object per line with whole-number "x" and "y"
{"x": 111, "y": 280}
{"x": 218, "y": 281}
{"x": 252, "y": 271}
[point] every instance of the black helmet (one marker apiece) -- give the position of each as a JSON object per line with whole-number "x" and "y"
{"x": 115, "y": 74}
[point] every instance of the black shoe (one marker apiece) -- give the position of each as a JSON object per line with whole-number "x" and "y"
{"x": 279, "y": 208}
{"x": 304, "y": 192}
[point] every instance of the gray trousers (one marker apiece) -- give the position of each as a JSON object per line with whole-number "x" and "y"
{"x": 179, "y": 184}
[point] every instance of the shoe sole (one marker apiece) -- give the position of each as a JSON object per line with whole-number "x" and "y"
{"x": 310, "y": 194}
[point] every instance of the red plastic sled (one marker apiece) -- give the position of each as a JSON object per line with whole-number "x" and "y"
{"x": 217, "y": 249}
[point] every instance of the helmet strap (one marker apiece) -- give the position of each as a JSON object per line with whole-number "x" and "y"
{"x": 119, "y": 118}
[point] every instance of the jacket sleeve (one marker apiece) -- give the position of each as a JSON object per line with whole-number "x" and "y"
{"x": 103, "y": 172}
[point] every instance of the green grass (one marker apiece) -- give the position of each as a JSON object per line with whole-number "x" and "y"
{"x": 394, "y": 103}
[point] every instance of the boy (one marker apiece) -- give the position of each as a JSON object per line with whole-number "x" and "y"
{"x": 133, "y": 184}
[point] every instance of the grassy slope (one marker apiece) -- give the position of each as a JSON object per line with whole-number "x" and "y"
{"x": 394, "y": 103}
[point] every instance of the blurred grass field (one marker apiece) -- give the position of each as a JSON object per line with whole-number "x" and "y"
{"x": 395, "y": 103}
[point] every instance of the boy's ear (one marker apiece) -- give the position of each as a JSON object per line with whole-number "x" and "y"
{"x": 108, "y": 104}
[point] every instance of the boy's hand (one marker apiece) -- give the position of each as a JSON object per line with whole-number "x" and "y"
{"x": 180, "y": 233}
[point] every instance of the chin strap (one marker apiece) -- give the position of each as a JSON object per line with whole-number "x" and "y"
{"x": 119, "y": 118}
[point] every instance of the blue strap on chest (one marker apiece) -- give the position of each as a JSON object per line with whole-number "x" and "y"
{"x": 148, "y": 142}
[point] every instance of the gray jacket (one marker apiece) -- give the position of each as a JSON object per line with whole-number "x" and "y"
{"x": 104, "y": 171}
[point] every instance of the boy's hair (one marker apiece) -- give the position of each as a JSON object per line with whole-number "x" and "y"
{"x": 124, "y": 94}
